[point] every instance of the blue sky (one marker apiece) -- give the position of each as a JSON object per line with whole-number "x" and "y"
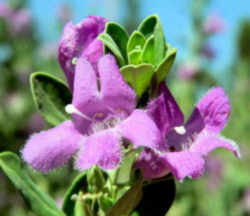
{"x": 174, "y": 14}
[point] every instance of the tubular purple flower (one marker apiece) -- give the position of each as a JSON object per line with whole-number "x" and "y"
{"x": 5, "y": 10}
{"x": 186, "y": 144}
{"x": 104, "y": 114}
{"x": 80, "y": 40}
{"x": 20, "y": 21}
{"x": 208, "y": 51}
{"x": 213, "y": 24}
{"x": 187, "y": 70}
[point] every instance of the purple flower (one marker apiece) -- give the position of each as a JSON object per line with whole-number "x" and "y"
{"x": 187, "y": 71}
{"x": 80, "y": 40}
{"x": 104, "y": 114}
{"x": 5, "y": 10}
{"x": 20, "y": 21}
{"x": 213, "y": 24}
{"x": 208, "y": 51}
{"x": 187, "y": 144}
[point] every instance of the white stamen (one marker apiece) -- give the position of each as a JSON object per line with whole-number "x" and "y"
{"x": 71, "y": 109}
{"x": 180, "y": 130}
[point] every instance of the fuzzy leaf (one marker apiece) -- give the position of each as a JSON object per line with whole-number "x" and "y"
{"x": 124, "y": 171}
{"x": 105, "y": 203}
{"x": 38, "y": 201}
{"x": 119, "y": 36}
{"x": 148, "y": 53}
{"x": 159, "y": 42}
{"x": 81, "y": 207}
{"x": 79, "y": 183}
{"x": 111, "y": 46}
{"x": 51, "y": 96}
{"x": 166, "y": 64}
{"x": 136, "y": 41}
{"x": 152, "y": 26}
{"x": 128, "y": 201}
{"x": 96, "y": 179}
{"x": 138, "y": 77}
{"x": 147, "y": 26}
{"x": 134, "y": 57}
{"x": 152, "y": 203}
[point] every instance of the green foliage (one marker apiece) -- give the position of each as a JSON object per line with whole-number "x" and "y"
{"x": 81, "y": 207}
{"x": 79, "y": 183}
{"x": 128, "y": 201}
{"x": 244, "y": 40}
{"x": 105, "y": 203}
{"x": 166, "y": 64}
{"x": 148, "y": 54}
{"x": 120, "y": 37}
{"x": 51, "y": 96}
{"x": 139, "y": 77}
{"x": 111, "y": 46}
{"x": 158, "y": 196}
{"x": 152, "y": 26}
{"x": 136, "y": 41}
{"x": 124, "y": 172}
{"x": 38, "y": 201}
{"x": 141, "y": 54}
{"x": 96, "y": 179}
{"x": 134, "y": 57}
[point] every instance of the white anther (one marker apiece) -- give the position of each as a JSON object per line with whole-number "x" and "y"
{"x": 71, "y": 109}
{"x": 180, "y": 130}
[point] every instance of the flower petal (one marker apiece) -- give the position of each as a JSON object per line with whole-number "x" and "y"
{"x": 77, "y": 38}
{"x": 85, "y": 95}
{"x": 102, "y": 149}
{"x": 141, "y": 130}
{"x": 165, "y": 111}
{"x": 93, "y": 52}
{"x": 184, "y": 164}
{"x": 116, "y": 93}
{"x": 85, "y": 85}
{"x": 152, "y": 164}
{"x": 50, "y": 149}
{"x": 207, "y": 142}
{"x": 213, "y": 110}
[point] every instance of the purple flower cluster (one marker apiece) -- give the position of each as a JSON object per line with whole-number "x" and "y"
{"x": 19, "y": 21}
{"x": 105, "y": 117}
{"x": 186, "y": 144}
{"x": 208, "y": 51}
{"x": 187, "y": 70}
{"x": 103, "y": 108}
{"x": 5, "y": 10}
{"x": 213, "y": 24}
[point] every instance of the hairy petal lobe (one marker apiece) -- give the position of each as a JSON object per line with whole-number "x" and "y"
{"x": 50, "y": 149}
{"x": 101, "y": 149}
